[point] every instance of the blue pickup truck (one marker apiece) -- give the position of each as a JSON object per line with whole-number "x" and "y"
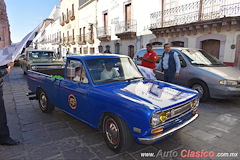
{"x": 109, "y": 93}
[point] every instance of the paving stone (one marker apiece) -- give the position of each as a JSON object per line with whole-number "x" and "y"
{"x": 69, "y": 143}
{"x": 46, "y": 151}
{"x": 224, "y": 144}
{"x": 201, "y": 135}
{"x": 34, "y": 134}
{"x": 62, "y": 133}
{"x": 124, "y": 156}
{"x": 78, "y": 153}
{"x": 93, "y": 139}
{"x": 56, "y": 126}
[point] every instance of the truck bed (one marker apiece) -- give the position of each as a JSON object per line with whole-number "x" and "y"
{"x": 59, "y": 72}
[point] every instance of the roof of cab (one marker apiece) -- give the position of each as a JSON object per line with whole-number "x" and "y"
{"x": 94, "y": 56}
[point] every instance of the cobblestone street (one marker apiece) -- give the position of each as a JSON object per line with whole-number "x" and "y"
{"x": 60, "y": 136}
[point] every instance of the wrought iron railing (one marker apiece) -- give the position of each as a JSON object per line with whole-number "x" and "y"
{"x": 193, "y": 12}
{"x": 81, "y": 39}
{"x": 126, "y": 26}
{"x": 103, "y": 32}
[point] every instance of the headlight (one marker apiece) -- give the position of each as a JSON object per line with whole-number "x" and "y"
{"x": 34, "y": 67}
{"x": 194, "y": 103}
{"x": 160, "y": 117}
{"x": 228, "y": 82}
{"x": 155, "y": 120}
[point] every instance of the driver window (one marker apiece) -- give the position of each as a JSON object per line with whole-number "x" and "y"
{"x": 76, "y": 72}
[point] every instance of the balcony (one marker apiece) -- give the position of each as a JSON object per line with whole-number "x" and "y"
{"x": 90, "y": 38}
{"x": 62, "y": 21}
{"x": 104, "y": 33}
{"x": 66, "y": 19}
{"x": 195, "y": 17}
{"x": 56, "y": 41}
{"x": 81, "y": 39}
{"x": 71, "y": 15}
{"x": 126, "y": 30}
{"x": 71, "y": 40}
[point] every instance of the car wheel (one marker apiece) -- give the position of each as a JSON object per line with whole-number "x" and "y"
{"x": 117, "y": 134}
{"x": 202, "y": 89}
{"x": 43, "y": 102}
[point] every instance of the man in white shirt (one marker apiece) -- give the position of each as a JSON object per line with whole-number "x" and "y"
{"x": 109, "y": 72}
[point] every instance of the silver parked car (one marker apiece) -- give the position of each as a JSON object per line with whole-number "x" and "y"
{"x": 202, "y": 72}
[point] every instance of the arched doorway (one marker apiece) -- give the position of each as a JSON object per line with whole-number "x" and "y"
{"x": 131, "y": 51}
{"x": 211, "y": 46}
{"x": 237, "y": 53}
{"x": 177, "y": 44}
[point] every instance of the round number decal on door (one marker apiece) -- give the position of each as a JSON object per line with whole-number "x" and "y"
{"x": 72, "y": 101}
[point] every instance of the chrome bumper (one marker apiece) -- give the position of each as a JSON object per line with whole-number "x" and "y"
{"x": 150, "y": 140}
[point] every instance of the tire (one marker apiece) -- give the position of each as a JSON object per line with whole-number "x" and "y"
{"x": 44, "y": 103}
{"x": 202, "y": 89}
{"x": 117, "y": 134}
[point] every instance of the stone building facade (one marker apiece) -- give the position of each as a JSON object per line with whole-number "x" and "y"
{"x": 5, "y": 39}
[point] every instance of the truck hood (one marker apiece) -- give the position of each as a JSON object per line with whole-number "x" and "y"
{"x": 153, "y": 94}
{"x": 229, "y": 73}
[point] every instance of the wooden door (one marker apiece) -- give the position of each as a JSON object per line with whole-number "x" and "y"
{"x": 105, "y": 19}
{"x": 237, "y": 53}
{"x": 127, "y": 17}
{"x": 131, "y": 51}
{"x": 211, "y": 46}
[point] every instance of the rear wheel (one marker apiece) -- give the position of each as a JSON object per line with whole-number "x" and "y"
{"x": 43, "y": 102}
{"x": 202, "y": 89}
{"x": 116, "y": 133}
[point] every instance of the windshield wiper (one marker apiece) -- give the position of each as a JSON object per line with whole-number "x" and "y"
{"x": 133, "y": 78}
{"x": 199, "y": 64}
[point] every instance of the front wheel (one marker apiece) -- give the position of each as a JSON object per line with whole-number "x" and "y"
{"x": 202, "y": 89}
{"x": 117, "y": 134}
{"x": 43, "y": 102}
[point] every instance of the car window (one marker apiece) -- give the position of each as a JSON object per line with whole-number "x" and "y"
{"x": 76, "y": 72}
{"x": 158, "y": 51}
{"x": 200, "y": 57}
{"x": 109, "y": 70}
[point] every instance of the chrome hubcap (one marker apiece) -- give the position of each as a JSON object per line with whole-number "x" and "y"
{"x": 43, "y": 100}
{"x": 198, "y": 88}
{"x": 112, "y": 131}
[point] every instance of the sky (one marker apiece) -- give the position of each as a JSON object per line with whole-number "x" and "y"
{"x": 25, "y": 15}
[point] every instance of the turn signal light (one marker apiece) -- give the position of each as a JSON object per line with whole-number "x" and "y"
{"x": 157, "y": 130}
{"x": 195, "y": 111}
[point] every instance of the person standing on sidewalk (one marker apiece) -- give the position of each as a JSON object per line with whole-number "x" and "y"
{"x": 149, "y": 58}
{"x": 169, "y": 64}
{"x": 5, "y": 138}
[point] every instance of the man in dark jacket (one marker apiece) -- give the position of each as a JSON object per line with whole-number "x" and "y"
{"x": 5, "y": 138}
{"x": 169, "y": 64}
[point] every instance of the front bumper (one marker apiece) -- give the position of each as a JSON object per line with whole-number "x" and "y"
{"x": 224, "y": 92}
{"x": 151, "y": 140}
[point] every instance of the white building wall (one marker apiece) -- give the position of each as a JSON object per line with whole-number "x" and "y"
{"x": 68, "y": 27}
{"x": 87, "y": 14}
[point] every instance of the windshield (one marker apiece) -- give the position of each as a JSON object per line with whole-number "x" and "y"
{"x": 41, "y": 55}
{"x": 108, "y": 70}
{"x": 199, "y": 57}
